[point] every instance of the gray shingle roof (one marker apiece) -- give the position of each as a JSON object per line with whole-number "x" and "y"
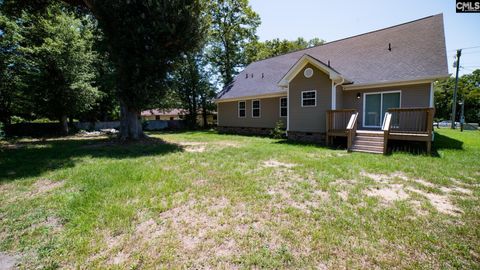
{"x": 418, "y": 51}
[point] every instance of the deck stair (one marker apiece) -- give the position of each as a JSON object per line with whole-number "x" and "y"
{"x": 368, "y": 142}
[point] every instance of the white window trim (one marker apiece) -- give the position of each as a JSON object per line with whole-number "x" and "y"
{"x": 280, "y": 105}
{"x": 381, "y": 103}
{"x": 315, "y": 105}
{"x": 259, "y": 108}
{"x": 238, "y": 109}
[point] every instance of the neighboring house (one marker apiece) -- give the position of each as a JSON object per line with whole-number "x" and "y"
{"x": 349, "y": 87}
{"x": 176, "y": 114}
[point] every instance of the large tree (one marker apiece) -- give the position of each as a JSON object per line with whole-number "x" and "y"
{"x": 233, "y": 26}
{"x": 59, "y": 49}
{"x": 144, "y": 38}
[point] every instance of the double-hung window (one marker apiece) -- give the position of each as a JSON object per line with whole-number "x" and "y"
{"x": 309, "y": 98}
{"x": 283, "y": 107}
{"x": 255, "y": 108}
{"x": 242, "y": 109}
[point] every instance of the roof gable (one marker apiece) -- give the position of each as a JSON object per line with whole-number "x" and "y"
{"x": 302, "y": 62}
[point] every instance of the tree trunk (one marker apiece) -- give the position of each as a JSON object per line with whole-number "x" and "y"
{"x": 130, "y": 124}
{"x": 64, "y": 125}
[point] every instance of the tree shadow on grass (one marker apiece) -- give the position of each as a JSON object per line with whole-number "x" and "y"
{"x": 419, "y": 148}
{"x": 29, "y": 159}
{"x": 445, "y": 142}
{"x": 409, "y": 147}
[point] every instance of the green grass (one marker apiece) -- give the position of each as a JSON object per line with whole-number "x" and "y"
{"x": 204, "y": 200}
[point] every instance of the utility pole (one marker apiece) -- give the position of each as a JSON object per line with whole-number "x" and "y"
{"x": 454, "y": 103}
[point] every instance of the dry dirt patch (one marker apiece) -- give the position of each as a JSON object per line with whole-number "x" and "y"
{"x": 286, "y": 182}
{"x": 204, "y": 233}
{"x": 390, "y": 193}
{"x": 194, "y": 147}
{"x": 441, "y": 202}
{"x": 8, "y": 261}
{"x": 198, "y": 147}
{"x": 384, "y": 178}
{"x": 191, "y": 226}
{"x": 52, "y": 222}
{"x": 277, "y": 164}
{"x": 43, "y": 186}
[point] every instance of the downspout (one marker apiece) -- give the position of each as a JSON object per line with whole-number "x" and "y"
{"x": 334, "y": 93}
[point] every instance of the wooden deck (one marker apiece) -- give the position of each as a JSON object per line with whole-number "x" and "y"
{"x": 407, "y": 124}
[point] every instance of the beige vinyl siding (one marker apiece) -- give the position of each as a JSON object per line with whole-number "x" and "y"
{"x": 339, "y": 100}
{"x": 309, "y": 119}
{"x": 411, "y": 96}
{"x": 269, "y": 114}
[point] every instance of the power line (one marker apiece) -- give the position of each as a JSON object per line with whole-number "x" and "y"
{"x": 468, "y": 48}
{"x": 474, "y": 47}
{"x": 472, "y": 52}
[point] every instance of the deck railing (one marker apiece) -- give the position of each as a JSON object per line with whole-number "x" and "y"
{"x": 351, "y": 129}
{"x": 412, "y": 120}
{"x": 387, "y": 123}
{"x": 338, "y": 119}
{"x": 337, "y": 122}
{"x": 409, "y": 124}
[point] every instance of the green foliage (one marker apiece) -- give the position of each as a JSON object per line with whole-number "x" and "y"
{"x": 468, "y": 90}
{"x": 279, "y": 131}
{"x": 11, "y": 64}
{"x": 233, "y": 26}
{"x": 190, "y": 82}
{"x": 106, "y": 107}
{"x": 60, "y": 54}
{"x": 144, "y": 38}
{"x": 2, "y": 133}
{"x": 258, "y": 50}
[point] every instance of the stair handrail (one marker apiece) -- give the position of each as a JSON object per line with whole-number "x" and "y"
{"x": 351, "y": 129}
{"x": 387, "y": 122}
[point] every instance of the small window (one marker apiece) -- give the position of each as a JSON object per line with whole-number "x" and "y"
{"x": 157, "y": 117}
{"x": 283, "y": 107}
{"x": 255, "y": 108}
{"x": 309, "y": 98}
{"x": 241, "y": 109}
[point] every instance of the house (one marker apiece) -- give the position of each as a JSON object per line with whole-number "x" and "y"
{"x": 369, "y": 88}
{"x": 163, "y": 114}
{"x": 176, "y": 114}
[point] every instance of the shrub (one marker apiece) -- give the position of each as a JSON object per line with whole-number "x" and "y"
{"x": 279, "y": 131}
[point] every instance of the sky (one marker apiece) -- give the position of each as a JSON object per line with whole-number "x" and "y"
{"x": 332, "y": 20}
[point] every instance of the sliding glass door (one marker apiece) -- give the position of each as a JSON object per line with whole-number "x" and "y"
{"x": 375, "y": 106}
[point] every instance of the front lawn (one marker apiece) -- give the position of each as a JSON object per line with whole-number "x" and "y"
{"x": 204, "y": 200}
